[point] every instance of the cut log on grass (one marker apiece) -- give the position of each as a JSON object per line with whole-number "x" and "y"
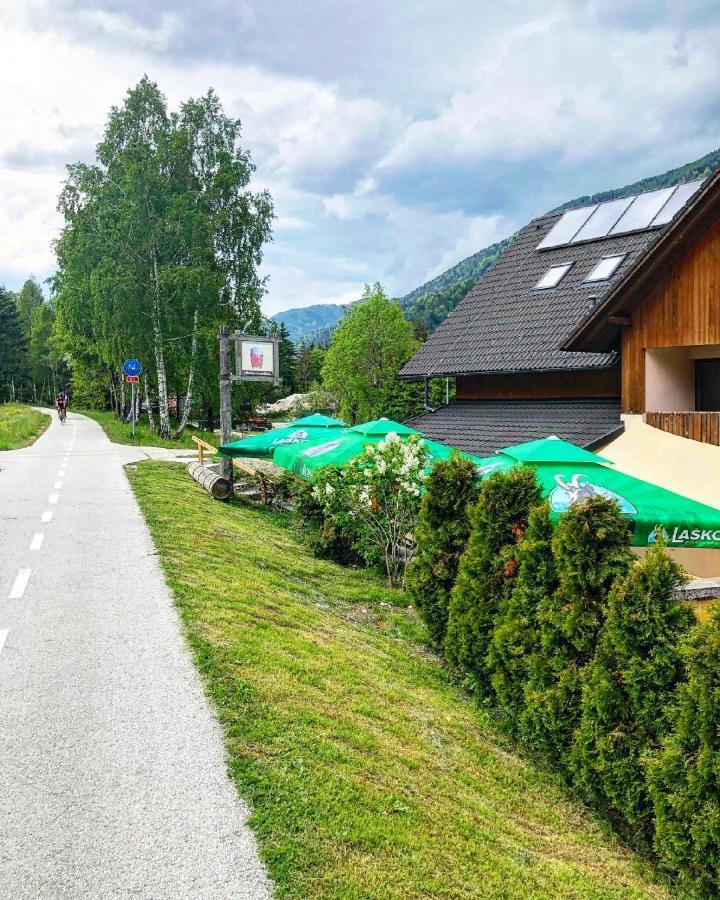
{"x": 208, "y": 476}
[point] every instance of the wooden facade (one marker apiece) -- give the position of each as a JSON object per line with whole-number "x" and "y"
{"x": 683, "y": 310}
{"x": 540, "y": 385}
{"x": 697, "y": 426}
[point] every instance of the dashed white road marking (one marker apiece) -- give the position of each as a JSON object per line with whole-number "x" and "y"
{"x": 46, "y": 516}
{"x": 53, "y": 498}
{"x": 58, "y": 485}
{"x": 19, "y": 585}
{"x": 3, "y": 637}
{"x": 37, "y": 540}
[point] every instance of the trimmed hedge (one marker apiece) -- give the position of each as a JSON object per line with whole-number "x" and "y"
{"x": 515, "y": 635}
{"x": 442, "y": 533}
{"x": 488, "y": 566}
{"x": 636, "y": 668}
{"x": 591, "y": 547}
{"x": 684, "y": 777}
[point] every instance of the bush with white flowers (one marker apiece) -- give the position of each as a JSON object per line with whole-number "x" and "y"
{"x": 378, "y": 495}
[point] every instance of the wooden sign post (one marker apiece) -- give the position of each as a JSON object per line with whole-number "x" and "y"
{"x": 257, "y": 358}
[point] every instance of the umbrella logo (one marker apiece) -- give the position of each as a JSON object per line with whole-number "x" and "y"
{"x": 293, "y": 438}
{"x": 652, "y": 537}
{"x": 323, "y": 448}
{"x": 483, "y": 470}
{"x": 577, "y": 489}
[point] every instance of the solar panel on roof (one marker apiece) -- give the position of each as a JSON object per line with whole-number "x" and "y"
{"x": 603, "y": 219}
{"x": 642, "y": 211}
{"x": 566, "y": 226}
{"x": 683, "y": 192}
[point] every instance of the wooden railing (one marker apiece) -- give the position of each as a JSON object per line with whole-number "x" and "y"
{"x": 697, "y": 426}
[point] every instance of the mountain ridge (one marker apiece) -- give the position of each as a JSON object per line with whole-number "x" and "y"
{"x": 428, "y": 304}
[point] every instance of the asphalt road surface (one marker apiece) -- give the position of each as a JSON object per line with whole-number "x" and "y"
{"x": 112, "y": 773}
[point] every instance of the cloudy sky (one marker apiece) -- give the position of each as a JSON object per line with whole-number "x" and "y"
{"x": 396, "y": 136}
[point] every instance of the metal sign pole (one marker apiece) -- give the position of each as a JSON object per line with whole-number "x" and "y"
{"x": 132, "y": 400}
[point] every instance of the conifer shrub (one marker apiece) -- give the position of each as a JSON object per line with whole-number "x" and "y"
{"x": 635, "y": 670}
{"x": 488, "y": 566}
{"x": 684, "y": 776}
{"x": 591, "y": 548}
{"x": 441, "y": 535}
{"x": 514, "y": 637}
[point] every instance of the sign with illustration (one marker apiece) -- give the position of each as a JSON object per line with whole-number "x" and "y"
{"x": 578, "y": 488}
{"x": 257, "y": 358}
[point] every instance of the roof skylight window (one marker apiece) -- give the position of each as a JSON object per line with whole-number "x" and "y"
{"x": 605, "y": 268}
{"x": 553, "y": 276}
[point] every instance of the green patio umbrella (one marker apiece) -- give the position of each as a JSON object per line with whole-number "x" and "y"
{"x": 299, "y": 431}
{"x": 345, "y": 445}
{"x": 569, "y": 474}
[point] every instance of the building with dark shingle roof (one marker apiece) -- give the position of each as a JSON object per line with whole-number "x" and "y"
{"x": 541, "y": 344}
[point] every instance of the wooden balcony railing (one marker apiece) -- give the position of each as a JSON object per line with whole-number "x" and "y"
{"x": 697, "y": 426}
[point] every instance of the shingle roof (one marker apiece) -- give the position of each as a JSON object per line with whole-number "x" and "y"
{"x": 484, "y": 426}
{"x": 504, "y": 324}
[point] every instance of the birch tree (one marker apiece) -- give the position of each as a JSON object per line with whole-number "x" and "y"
{"x": 162, "y": 241}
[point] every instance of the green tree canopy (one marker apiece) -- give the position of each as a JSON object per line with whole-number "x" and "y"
{"x": 369, "y": 347}
{"x": 30, "y": 298}
{"x": 161, "y": 243}
{"x": 13, "y": 347}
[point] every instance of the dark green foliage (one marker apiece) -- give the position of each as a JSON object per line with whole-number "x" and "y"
{"x": 329, "y": 538}
{"x": 591, "y": 547}
{"x": 308, "y": 366}
{"x": 637, "y": 666}
{"x": 288, "y": 356}
{"x": 13, "y": 348}
{"x": 488, "y": 566}
{"x": 684, "y": 777}
{"x": 442, "y": 533}
{"x": 515, "y": 635}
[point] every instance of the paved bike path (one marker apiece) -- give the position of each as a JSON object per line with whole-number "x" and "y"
{"x": 112, "y": 773}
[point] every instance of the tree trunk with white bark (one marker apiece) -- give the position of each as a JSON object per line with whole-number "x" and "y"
{"x": 191, "y": 377}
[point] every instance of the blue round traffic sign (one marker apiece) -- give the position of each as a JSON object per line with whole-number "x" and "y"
{"x": 132, "y": 367}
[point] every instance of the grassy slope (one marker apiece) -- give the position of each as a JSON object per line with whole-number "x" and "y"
{"x": 121, "y": 432}
{"x": 20, "y": 426}
{"x": 369, "y": 773}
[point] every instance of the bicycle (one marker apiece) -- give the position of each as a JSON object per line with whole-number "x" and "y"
{"x": 62, "y": 415}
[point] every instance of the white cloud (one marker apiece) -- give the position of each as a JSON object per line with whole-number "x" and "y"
{"x": 395, "y": 139}
{"x": 555, "y": 87}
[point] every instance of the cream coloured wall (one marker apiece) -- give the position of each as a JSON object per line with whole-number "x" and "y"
{"x": 669, "y": 380}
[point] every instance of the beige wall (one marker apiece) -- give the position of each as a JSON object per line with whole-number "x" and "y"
{"x": 670, "y": 376}
{"x": 669, "y": 380}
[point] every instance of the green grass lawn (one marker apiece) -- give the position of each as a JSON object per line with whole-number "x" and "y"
{"x": 121, "y": 432}
{"x": 370, "y": 774}
{"x": 20, "y": 426}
